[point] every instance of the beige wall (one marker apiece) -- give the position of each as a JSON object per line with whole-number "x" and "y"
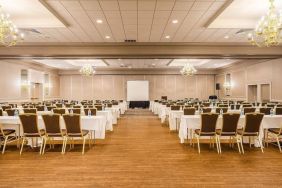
{"x": 267, "y": 72}
{"x": 11, "y": 86}
{"x": 114, "y": 86}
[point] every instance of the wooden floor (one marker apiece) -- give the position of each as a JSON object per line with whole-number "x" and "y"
{"x": 141, "y": 153}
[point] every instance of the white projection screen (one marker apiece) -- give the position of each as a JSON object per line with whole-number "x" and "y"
{"x": 137, "y": 90}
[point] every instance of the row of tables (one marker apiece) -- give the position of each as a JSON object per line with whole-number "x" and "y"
{"x": 187, "y": 123}
{"x": 102, "y": 122}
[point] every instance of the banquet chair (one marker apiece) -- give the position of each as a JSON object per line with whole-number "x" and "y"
{"x": 73, "y": 130}
{"x": 271, "y": 105}
{"x": 67, "y": 105}
{"x": 99, "y": 107}
{"x": 93, "y": 111}
{"x": 4, "y": 108}
{"x": 265, "y": 111}
{"x": 29, "y": 124}
{"x": 263, "y": 103}
{"x": 278, "y": 111}
{"x": 189, "y": 111}
{"x": 50, "y": 108}
{"x": 109, "y": 105}
{"x": 224, "y": 110}
{"x": 115, "y": 102}
{"x": 59, "y": 105}
{"x": 207, "y": 110}
{"x": 229, "y": 128}
{"x": 278, "y": 105}
{"x": 275, "y": 133}
{"x": 1, "y": 112}
{"x": 8, "y": 136}
{"x": 40, "y": 108}
{"x": 206, "y": 104}
{"x": 249, "y": 110}
{"x": 235, "y": 107}
{"x": 175, "y": 107}
{"x": 60, "y": 111}
{"x": 247, "y": 106}
{"x": 223, "y": 105}
{"x": 75, "y": 110}
{"x": 208, "y": 128}
{"x": 90, "y": 106}
{"x": 256, "y": 104}
{"x": 13, "y": 105}
{"x": 251, "y": 129}
{"x": 30, "y": 110}
{"x": 52, "y": 129}
{"x": 77, "y": 106}
{"x": 10, "y": 112}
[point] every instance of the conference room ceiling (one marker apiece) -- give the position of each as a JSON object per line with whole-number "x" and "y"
{"x": 91, "y": 21}
{"x": 108, "y": 64}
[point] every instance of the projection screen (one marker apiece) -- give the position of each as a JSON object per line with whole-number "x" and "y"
{"x": 137, "y": 90}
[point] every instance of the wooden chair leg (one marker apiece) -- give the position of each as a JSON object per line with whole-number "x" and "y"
{"x": 23, "y": 140}
{"x": 198, "y": 140}
{"x": 83, "y": 147}
{"x": 5, "y": 143}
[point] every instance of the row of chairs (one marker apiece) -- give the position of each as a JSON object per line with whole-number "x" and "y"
{"x": 265, "y": 111}
{"x": 229, "y": 129}
{"x": 29, "y": 123}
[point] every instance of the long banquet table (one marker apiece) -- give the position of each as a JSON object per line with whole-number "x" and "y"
{"x": 194, "y": 122}
{"x": 91, "y": 123}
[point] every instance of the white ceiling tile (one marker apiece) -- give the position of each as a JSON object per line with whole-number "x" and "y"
{"x": 91, "y": 5}
{"x": 146, "y": 5}
{"x": 128, "y": 5}
{"x": 165, "y": 4}
{"x": 107, "y": 5}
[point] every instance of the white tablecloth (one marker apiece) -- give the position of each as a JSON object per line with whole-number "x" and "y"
{"x": 115, "y": 113}
{"x": 194, "y": 122}
{"x": 91, "y": 123}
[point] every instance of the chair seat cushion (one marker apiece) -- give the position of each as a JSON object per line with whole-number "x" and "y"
{"x": 275, "y": 131}
{"x": 198, "y": 132}
{"x": 240, "y": 132}
{"x": 7, "y": 132}
{"x": 218, "y": 132}
{"x": 84, "y": 133}
{"x": 41, "y": 133}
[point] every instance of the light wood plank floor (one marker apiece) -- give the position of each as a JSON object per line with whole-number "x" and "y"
{"x": 141, "y": 153}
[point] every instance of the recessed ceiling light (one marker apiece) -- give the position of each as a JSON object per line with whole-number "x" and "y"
{"x": 107, "y": 37}
{"x": 99, "y": 21}
{"x": 167, "y": 37}
{"x": 226, "y": 37}
{"x": 153, "y": 64}
{"x": 175, "y": 21}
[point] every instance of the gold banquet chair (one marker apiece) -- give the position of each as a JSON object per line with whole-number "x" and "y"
{"x": 29, "y": 124}
{"x": 251, "y": 129}
{"x": 52, "y": 129}
{"x": 275, "y": 133}
{"x": 73, "y": 130}
{"x": 208, "y": 128}
{"x": 7, "y": 136}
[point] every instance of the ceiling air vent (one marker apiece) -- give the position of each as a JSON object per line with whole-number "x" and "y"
{"x": 129, "y": 41}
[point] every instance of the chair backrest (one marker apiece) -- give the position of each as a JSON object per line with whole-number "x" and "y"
{"x": 93, "y": 111}
{"x": 235, "y": 106}
{"x": 72, "y": 123}
{"x": 189, "y": 111}
{"x": 206, "y": 104}
{"x": 247, "y": 105}
{"x": 29, "y": 123}
{"x": 223, "y": 105}
{"x": 50, "y": 108}
{"x": 208, "y": 122}
{"x": 263, "y": 103}
{"x": 253, "y": 122}
{"x": 230, "y": 122}
{"x": 60, "y": 111}
{"x": 115, "y": 102}
{"x": 30, "y": 110}
{"x": 52, "y": 123}
{"x": 77, "y": 106}
{"x": 4, "y": 108}
{"x": 67, "y": 105}
{"x": 278, "y": 111}
{"x": 175, "y": 107}
{"x": 1, "y": 112}
{"x": 271, "y": 105}
{"x": 249, "y": 110}
{"x": 99, "y": 107}
{"x": 59, "y": 105}
{"x": 224, "y": 110}
{"x": 109, "y": 105}
{"x": 40, "y": 108}
{"x": 10, "y": 112}
{"x": 207, "y": 110}
{"x": 75, "y": 110}
{"x": 265, "y": 111}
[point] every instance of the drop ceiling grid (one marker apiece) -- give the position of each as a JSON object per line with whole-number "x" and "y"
{"x": 143, "y": 20}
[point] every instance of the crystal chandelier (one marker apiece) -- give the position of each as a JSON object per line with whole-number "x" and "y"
{"x": 9, "y": 33}
{"x": 87, "y": 70}
{"x": 188, "y": 70}
{"x": 268, "y": 30}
